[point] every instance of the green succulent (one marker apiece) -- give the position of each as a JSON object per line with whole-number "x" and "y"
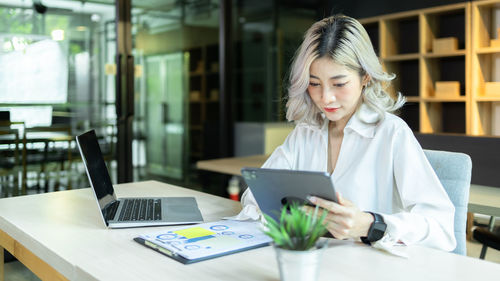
{"x": 296, "y": 230}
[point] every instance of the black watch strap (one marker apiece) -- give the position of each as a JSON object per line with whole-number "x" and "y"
{"x": 376, "y": 231}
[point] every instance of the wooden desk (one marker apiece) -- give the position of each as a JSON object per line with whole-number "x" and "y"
{"x": 60, "y": 236}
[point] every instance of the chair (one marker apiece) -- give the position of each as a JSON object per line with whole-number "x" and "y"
{"x": 39, "y": 155}
{"x": 9, "y": 160}
{"x": 487, "y": 238}
{"x": 454, "y": 171}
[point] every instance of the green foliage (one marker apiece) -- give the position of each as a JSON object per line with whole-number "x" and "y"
{"x": 296, "y": 230}
{"x": 14, "y": 21}
{"x": 75, "y": 48}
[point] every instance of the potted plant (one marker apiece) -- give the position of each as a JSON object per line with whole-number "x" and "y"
{"x": 296, "y": 241}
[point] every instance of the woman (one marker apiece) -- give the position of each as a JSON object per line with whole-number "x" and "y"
{"x": 388, "y": 192}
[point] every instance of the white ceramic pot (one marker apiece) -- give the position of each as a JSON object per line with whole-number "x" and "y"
{"x": 299, "y": 265}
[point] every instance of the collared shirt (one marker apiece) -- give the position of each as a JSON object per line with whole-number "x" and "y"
{"x": 381, "y": 168}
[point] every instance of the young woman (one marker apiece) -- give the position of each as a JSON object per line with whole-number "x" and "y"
{"x": 388, "y": 191}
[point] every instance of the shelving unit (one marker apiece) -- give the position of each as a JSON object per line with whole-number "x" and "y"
{"x": 485, "y": 108}
{"x": 406, "y": 43}
{"x": 203, "y": 96}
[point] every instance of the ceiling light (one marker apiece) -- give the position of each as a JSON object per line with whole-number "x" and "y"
{"x": 57, "y": 34}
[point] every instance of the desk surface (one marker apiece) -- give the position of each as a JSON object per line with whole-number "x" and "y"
{"x": 64, "y": 229}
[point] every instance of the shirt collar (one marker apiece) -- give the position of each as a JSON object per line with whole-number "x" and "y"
{"x": 363, "y": 121}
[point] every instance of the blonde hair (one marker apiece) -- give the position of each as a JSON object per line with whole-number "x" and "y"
{"x": 344, "y": 40}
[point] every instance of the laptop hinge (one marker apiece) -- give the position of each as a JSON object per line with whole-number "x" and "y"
{"x": 110, "y": 209}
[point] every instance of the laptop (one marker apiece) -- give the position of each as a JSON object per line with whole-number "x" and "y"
{"x": 275, "y": 188}
{"x": 131, "y": 212}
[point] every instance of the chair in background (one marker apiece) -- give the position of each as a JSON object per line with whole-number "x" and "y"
{"x": 454, "y": 171}
{"x": 4, "y": 116}
{"x": 43, "y": 157}
{"x": 487, "y": 238}
{"x": 10, "y": 163}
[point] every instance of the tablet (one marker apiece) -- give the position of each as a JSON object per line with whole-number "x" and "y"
{"x": 273, "y": 188}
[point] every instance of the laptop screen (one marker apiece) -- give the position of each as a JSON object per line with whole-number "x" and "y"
{"x": 96, "y": 168}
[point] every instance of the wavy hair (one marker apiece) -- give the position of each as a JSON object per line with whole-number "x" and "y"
{"x": 345, "y": 40}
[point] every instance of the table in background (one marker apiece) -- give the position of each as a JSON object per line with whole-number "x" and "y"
{"x": 233, "y": 165}
{"x": 60, "y": 235}
{"x": 484, "y": 200}
{"x": 30, "y": 153}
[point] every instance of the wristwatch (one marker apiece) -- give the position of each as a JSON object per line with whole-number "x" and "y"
{"x": 376, "y": 231}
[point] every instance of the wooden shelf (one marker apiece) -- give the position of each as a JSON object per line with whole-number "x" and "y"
{"x": 450, "y": 54}
{"x": 412, "y": 99}
{"x": 438, "y": 99}
{"x": 402, "y": 57}
{"x": 203, "y": 63}
{"x": 485, "y": 24}
{"x": 487, "y": 99}
{"x": 405, "y": 41}
{"x": 474, "y": 25}
{"x": 488, "y": 50}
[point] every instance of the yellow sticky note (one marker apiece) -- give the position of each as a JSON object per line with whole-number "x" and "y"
{"x": 194, "y": 232}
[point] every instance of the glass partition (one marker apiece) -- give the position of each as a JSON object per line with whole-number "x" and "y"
{"x": 56, "y": 75}
{"x": 176, "y": 49}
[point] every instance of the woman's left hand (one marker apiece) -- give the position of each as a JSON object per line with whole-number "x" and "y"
{"x": 344, "y": 220}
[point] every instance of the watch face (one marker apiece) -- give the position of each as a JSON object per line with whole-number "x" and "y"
{"x": 377, "y": 229}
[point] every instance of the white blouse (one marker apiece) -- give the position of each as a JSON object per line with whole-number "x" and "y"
{"x": 381, "y": 168}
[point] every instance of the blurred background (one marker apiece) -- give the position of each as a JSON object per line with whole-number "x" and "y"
{"x": 179, "y": 102}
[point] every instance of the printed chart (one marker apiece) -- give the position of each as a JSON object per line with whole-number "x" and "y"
{"x": 209, "y": 239}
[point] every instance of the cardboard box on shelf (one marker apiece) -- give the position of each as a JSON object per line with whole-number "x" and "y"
{"x": 447, "y": 89}
{"x": 492, "y": 89}
{"x": 194, "y": 96}
{"x": 496, "y": 42}
{"x": 214, "y": 67}
{"x": 444, "y": 45}
{"x": 214, "y": 95}
{"x": 199, "y": 67}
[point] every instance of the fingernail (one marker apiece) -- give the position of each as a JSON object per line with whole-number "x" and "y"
{"x": 311, "y": 199}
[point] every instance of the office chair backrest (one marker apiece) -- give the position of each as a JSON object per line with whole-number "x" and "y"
{"x": 4, "y": 116}
{"x": 454, "y": 171}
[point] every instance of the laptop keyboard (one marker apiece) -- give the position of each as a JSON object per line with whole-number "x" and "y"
{"x": 140, "y": 210}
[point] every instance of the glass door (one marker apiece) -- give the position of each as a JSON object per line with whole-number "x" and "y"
{"x": 175, "y": 46}
{"x": 165, "y": 114}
